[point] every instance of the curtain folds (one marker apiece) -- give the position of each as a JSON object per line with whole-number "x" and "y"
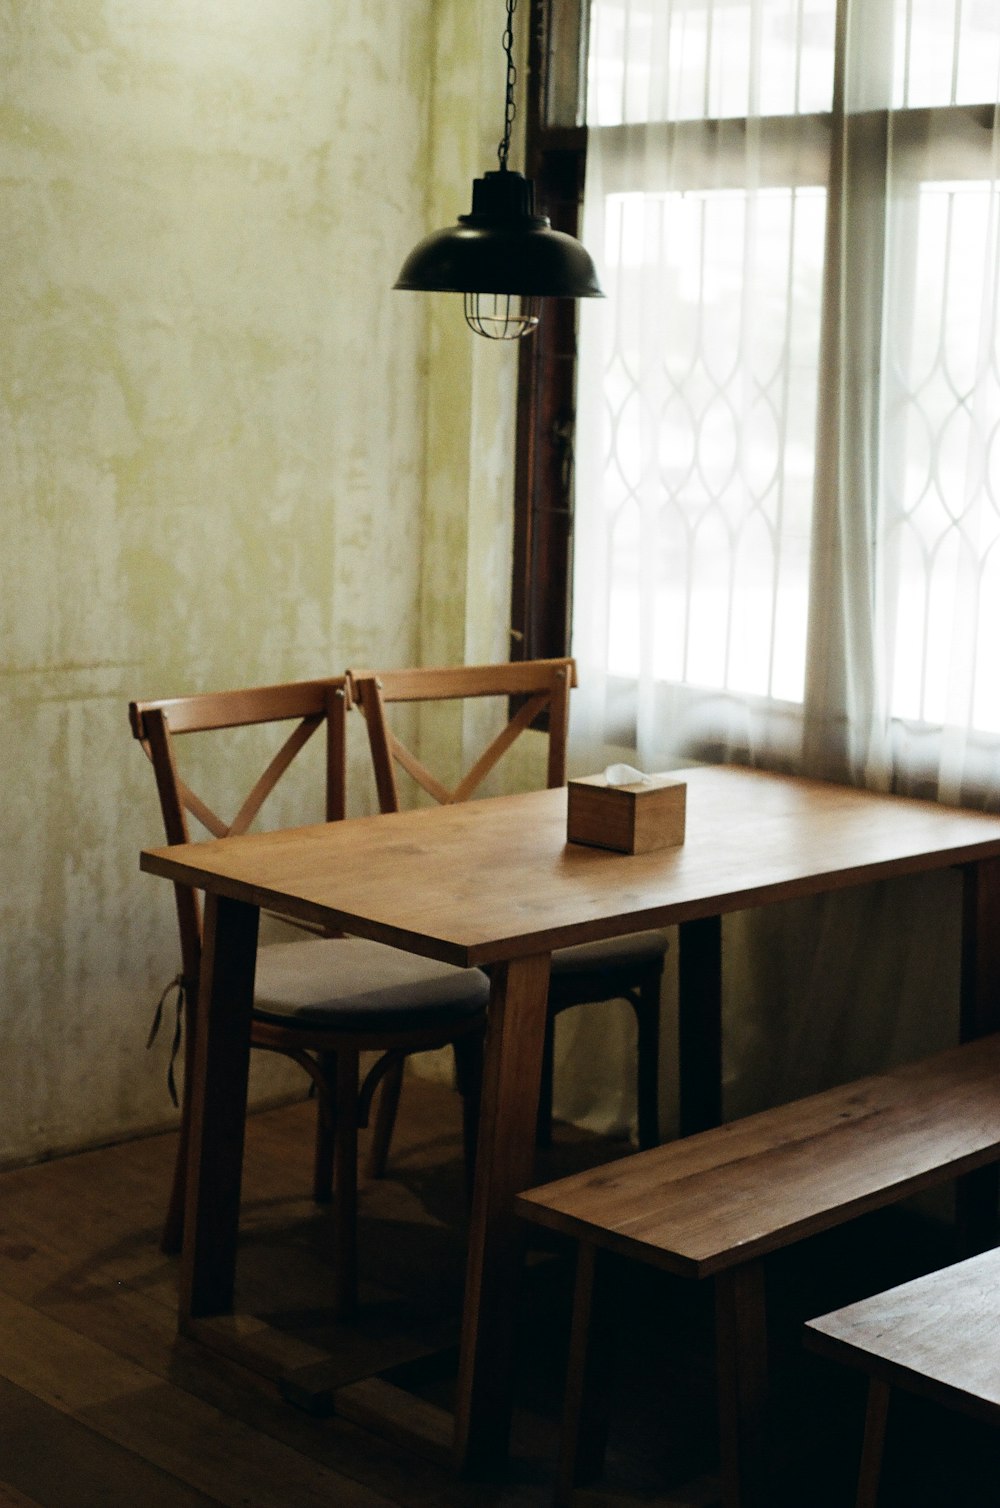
{"x": 788, "y": 480}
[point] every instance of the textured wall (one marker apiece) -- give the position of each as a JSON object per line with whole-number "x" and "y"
{"x": 471, "y": 391}
{"x": 213, "y": 453}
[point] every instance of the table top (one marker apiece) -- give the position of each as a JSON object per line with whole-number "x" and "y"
{"x": 495, "y": 879}
{"x": 937, "y": 1332}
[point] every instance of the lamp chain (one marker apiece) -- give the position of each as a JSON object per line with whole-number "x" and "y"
{"x": 510, "y": 109}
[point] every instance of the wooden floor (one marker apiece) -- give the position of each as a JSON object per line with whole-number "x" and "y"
{"x": 102, "y": 1406}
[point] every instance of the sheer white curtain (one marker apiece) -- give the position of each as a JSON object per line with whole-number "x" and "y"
{"x": 788, "y": 456}
{"x": 788, "y": 479}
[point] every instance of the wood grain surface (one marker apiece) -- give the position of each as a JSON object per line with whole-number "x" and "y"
{"x": 495, "y": 879}
{"x": 716, "y": 1200}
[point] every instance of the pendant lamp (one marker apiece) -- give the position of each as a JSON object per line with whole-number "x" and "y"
{"x": 502, "y": 256}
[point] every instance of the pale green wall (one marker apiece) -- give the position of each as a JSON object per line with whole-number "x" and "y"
{"x": 228, "y": 452}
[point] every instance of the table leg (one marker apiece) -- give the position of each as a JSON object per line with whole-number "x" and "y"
{"x": 980, "y": 990}
{"x": 218, "y": 1108}
{"x": 700, "y": 1024}
{"x": 504, "y": 1164}
{"x": 978, "y": 1192}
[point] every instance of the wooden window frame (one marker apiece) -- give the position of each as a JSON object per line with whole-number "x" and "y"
{"x": 555, "y": 158}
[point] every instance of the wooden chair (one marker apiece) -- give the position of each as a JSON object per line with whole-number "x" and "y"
{"x": 936, "y": 1336}
{"x": 621, "y": 968}
{"x": 714, "y": 1204}
{"x": 320, "y": 1000}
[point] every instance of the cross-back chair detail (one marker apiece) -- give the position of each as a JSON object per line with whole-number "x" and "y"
{"x": 542, "y": 686}
{"x": 314, "y": 703}
{"x": 323, "y": 1000}
{"x": 628, "y": 968}
{"x": 310, "y": 704}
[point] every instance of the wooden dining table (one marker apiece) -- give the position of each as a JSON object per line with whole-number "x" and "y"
{"x": 495, "y": 883}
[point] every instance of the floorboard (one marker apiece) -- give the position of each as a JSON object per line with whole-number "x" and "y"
{"x": 103, "y": 1404}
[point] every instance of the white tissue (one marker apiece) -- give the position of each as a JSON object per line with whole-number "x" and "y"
{"x": 625, "y": 774}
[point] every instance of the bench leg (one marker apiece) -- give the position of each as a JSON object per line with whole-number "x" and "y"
{"x": 871, "y": 1451}
{"x": 588, "y": 1375}
{"x": 741, "y": 1347}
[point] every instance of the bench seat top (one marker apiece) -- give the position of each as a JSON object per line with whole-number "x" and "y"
{"x": 725, "y": 1196}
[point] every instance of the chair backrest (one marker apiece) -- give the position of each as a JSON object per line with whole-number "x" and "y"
{"x": 310, "y": 704}
{"x": 532, "y": 687}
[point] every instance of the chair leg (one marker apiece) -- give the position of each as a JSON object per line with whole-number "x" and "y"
{"x": 172, "y": 1238}
{"x": 587, "y": 1406}
{"x": 326, "y": 1128}
{"x": 543, "y": 1130}
{"x": 876, "y": 1416}
{"x": 385, "y": 1118}
{"x": 646, "y": 1004}
{"x": 345, "y": 1187}
{"x": 468, "y": 1051}
{"x": 741, "y": 1350}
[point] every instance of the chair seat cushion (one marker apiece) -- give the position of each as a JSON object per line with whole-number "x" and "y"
{"x": 350, "y": 984}
{"x": 611, "y": 952}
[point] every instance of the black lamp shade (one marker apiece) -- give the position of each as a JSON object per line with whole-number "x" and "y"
{"x": 501, "y": 247}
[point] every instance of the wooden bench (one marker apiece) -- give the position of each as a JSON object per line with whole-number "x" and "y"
{"x": 936, "y": 1336}
{"x": 713, "y": 1205}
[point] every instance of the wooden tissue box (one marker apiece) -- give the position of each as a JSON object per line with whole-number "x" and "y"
{"x": 634, "y": 818}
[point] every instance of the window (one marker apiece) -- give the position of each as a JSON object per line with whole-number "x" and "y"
{"x": 788, "y": 439}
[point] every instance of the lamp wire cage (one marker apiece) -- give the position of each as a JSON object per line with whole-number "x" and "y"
{"x": 502, "y": 316}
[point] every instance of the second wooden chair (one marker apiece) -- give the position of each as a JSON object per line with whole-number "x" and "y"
{"x": 621, "y": 968}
